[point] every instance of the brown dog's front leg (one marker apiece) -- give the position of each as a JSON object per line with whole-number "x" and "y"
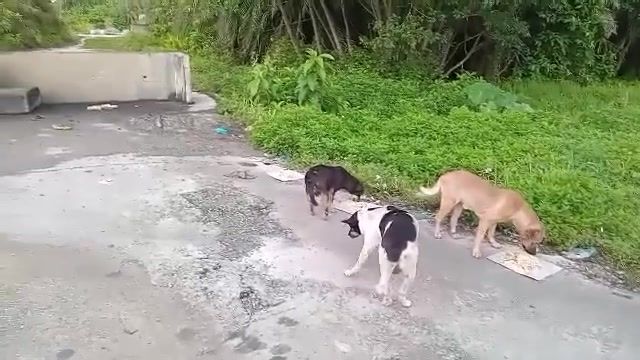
{"x": 483, "y": 226}
{"x": 491, "y": 235}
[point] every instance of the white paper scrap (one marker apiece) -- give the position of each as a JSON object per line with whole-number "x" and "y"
{"x": 524, "y": 264}
{"x": 350, "y": 206}
{"x": 284, "y": 175}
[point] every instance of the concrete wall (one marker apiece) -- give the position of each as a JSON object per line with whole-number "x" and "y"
{"x": 95, "y": 76}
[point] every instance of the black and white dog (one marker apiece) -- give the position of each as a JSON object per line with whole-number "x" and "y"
{"x": 394, "y": 232}
{"x": 326, "y": 180}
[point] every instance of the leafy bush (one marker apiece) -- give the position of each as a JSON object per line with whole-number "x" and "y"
{"x": 31, "y": 24}
{"x": 401, "y": 42}
{"x": 312, "y": 79}
{"x": 488, "y": 97}
{"x": 263, "y": 87}
{"x": 84, "y": 15}
{"x": 311, "y": 85}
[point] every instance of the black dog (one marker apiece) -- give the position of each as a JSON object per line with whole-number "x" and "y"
{"x": 325, "y": 180}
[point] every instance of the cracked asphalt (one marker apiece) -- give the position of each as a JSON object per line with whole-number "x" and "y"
{"x": 142, "y": 234}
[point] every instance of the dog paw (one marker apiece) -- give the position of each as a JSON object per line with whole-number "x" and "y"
{"x": 438, "y": 235}
{"x": 496, "y": 245}
{"x": 381, "y": 290}
{"x": 476, "y": 253}
{"x": 350, "y": 272}
{"x": 386, "y": 301}
{"x": 405, "y": 302}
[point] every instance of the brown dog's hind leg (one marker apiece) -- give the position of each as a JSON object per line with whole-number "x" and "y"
{"x": 483, "y": 227}
{"x": 491, "y": 236}
{"x": 446, "y": 206}
{"x": 455, "y": 215}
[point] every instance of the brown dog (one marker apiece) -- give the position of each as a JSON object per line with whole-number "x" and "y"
{"x": 461, "y": 189}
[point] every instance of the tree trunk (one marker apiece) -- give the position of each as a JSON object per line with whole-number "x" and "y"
{"x": 316, "y": 30}
{"x": 332, "y": 26}
{"x": 287, "y": 25}
{"x": 346, "y": 27}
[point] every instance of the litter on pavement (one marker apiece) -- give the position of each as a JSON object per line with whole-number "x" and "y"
{"x": 349, "y": 206}
{"x": 579, "y": 253}
{"x": 61, "y": 127}
{"x": 101, "y": 107}
{"x": 221, "y": 130}
{"x": 279, "y": 173}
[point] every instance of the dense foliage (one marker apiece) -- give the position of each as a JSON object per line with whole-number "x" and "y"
{"x": 84, "y": 15}
{"x": 566, "y": 38}
{"x": 30, "y": 24}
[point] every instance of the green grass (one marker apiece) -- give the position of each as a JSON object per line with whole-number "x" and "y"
{"x": 133, "y": 42}
{"x": 576, "y": 158}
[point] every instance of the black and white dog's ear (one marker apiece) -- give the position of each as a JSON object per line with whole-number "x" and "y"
{"x": 352, "y": 220}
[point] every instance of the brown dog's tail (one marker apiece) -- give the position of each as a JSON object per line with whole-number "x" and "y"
{"x": 432, "y": 190}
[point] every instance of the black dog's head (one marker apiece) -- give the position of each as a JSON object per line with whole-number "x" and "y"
{"x": 358, "y": 190}
{"x": 354, "y": 225}
{"x": 355, "y": 187}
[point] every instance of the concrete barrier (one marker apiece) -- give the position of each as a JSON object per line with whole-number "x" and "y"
{"x": 19, "y": 100}
{"x": 96, "y": 76}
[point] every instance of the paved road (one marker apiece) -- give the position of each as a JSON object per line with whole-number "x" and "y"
{"x": 121, "y": 239}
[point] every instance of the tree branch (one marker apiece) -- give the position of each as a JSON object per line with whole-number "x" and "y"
{"x": 464, "y": 42}
{"x": 476, "y": 46}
